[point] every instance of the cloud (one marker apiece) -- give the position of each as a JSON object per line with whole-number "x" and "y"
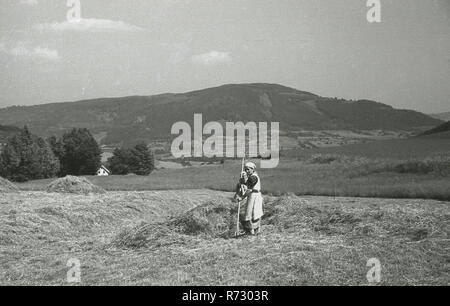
{"x": 29, "y": 2}
{"x": 21, "y": 50}
{"x": 46, "y": 53}
{"x": 88, "y": 25}
{"x": 212, "y": 58}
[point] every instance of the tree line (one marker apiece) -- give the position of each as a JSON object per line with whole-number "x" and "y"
{"x": 29, "y": 157}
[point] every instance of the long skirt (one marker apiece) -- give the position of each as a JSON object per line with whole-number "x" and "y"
{"x": 254, "y": 210}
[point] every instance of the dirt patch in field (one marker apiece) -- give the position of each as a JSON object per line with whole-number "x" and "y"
{"x": 6, "y": 186}
{"x": 75, "y": 185}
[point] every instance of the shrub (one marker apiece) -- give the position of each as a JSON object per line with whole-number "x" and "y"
{"x": 324, "y": 158}
{"x": 436, "y": 165}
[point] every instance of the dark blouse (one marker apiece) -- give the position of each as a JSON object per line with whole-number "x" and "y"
{"x": 251, "y": 182}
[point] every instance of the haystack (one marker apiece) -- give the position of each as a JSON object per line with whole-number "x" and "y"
{"x": 75, "y": 185}
{"x": 212, "y": 219}
{"x": 7, "y": 187}
{"x": 216, "y": 219}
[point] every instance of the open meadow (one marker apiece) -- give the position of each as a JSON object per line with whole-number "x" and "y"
{"x": 181, "y": 238}
{"x": 410, "y": 168}
{"x": 327, "y": 212}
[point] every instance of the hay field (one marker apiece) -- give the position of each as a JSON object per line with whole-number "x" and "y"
{"x": 145, "y": 238}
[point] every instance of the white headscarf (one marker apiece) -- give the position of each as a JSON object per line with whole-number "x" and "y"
{"x": 250, "y": 165}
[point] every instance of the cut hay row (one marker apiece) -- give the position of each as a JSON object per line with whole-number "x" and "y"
{"x": 211, "y": 219}
{"x": 217, "y": 219}
{"x": 40, "y": 218}
{"x": 6, "y": 186}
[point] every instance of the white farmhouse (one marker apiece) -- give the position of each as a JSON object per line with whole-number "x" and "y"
{"x": 103, "y": 171}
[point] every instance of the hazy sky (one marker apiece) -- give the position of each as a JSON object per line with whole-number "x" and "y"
{"x": 144, "y": 47}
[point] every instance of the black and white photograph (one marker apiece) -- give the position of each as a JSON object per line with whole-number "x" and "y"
{"x": 225, "y": 143}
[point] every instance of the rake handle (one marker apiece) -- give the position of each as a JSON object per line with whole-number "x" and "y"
{"x": 237, "y": 222}
{"x": 239, "y": 202}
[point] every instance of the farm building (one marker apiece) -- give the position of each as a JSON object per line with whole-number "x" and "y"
{"x": 103, "y": 171}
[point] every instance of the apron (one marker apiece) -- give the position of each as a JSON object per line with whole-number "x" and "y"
{"x": 254, "y": 209}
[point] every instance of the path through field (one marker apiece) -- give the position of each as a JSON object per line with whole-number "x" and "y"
{"x": 305, "y": 240}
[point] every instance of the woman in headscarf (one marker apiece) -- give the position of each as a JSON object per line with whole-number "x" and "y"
{"x": 254, "y": 209}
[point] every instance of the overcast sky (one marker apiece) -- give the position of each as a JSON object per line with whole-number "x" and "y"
{"x": 145, "y": 47}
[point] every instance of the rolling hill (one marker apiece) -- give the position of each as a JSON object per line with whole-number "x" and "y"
{"x": 442, "y": 116}
{"x": 441, "y": 131}
{"x": 151, "y": 117}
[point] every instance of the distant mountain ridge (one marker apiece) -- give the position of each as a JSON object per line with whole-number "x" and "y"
{"x": 149, "y": 117}
{"x": 442, "y": 116}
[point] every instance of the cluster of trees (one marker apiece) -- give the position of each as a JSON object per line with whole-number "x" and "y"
{"x": 29, "y": 157}
{"x": 138, "y": 160}
{"x": 77, "y": 151}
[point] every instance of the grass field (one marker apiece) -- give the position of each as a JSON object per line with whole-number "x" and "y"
{"x": 408, "y": 168}
{"x": 322, "y": 175}
{"x": 305, "y": 240}
{"x": 411, "y": 148}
